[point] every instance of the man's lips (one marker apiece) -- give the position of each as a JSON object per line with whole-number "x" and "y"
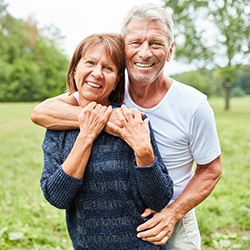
{"x": 94, "y": 85}
{"x": 144, "y": 65}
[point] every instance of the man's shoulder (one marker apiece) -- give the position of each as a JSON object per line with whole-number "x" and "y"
{"x": 187, "y": 93}
{"x": 187, "y": 88}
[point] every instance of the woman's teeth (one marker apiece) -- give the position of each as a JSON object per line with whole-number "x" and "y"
{"x": 94, "y": 85}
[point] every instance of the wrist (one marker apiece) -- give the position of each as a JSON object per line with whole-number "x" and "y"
{"x": 144, "y": 156}
{"x": 85, "y": 138}
{"x": 177, "y": 211}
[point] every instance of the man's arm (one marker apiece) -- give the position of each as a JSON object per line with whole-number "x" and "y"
{"x": 58, "y": 113}
{"x": 159, "y": 228}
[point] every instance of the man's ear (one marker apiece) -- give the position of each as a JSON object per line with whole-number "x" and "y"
{"x": 171, "y": 48}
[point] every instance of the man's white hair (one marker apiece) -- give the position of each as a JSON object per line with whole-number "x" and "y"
{"x": 150, "y": 11}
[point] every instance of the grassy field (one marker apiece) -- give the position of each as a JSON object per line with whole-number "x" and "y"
{"x": 27, "y": 221}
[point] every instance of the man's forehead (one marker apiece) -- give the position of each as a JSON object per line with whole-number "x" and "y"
{"x": 136, "y": 26}
{"x": 153, "y": 34}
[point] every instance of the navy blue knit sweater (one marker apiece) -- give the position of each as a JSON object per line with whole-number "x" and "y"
{"x": 103, "y": 208}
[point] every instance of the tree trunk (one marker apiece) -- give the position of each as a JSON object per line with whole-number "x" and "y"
{"x": 228, "y": 86}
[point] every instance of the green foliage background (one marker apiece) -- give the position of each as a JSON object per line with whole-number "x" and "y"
{"x": 211, "y": 82}
{"x": 213, "y": 36}
{"x": 32, "y": 65}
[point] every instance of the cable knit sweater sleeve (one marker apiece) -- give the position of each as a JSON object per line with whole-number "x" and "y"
{"x": 58, "y": 187}
{"x": 154, "y": 183}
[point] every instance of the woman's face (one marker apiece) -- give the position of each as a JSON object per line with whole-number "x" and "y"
{"x": 95, "y": 76}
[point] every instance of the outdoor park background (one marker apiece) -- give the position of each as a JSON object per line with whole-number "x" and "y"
{"x": 33, "y": 66}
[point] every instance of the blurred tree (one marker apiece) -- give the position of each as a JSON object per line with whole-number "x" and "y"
{"x": 244, "y": 79}
{"x": 32, "y": 65}
{"x": 197, "y": 79}
{"x": 211, "y": 34}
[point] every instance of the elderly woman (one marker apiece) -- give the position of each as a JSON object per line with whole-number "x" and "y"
{"x": 102, "y": 181}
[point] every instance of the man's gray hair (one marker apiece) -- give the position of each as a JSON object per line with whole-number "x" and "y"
{"x": 150, "y": 11}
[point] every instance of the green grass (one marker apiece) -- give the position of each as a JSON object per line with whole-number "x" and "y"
{"x": 224, "y": 217}
{"x": 27, "y": 221}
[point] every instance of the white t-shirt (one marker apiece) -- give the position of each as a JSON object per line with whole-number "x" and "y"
{"x": 185, "y": 131}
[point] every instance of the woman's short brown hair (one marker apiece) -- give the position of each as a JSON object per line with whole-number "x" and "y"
{"x": 114, "y": 46}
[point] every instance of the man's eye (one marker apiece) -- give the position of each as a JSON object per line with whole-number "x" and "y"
{"x": 156, "y": 45}
{"x": 135, "y": 43}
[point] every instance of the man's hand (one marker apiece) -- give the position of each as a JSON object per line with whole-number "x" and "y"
{"x": 113, "y": 121}
{"x": 159, "y": 228}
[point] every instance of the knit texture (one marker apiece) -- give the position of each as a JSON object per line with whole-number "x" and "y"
{"x": 103, "y": 209}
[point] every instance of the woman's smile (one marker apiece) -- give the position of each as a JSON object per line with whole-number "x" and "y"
{"x": 94, "y": 85}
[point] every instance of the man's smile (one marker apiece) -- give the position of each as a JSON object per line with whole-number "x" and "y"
{"x": 144, "y": 65}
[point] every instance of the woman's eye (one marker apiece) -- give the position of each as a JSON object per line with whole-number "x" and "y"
{"x": 90, "y": 62}
{"x": 108, "y": 68}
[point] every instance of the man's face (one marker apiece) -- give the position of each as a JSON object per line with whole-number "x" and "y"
{"x": 147, "y": 49}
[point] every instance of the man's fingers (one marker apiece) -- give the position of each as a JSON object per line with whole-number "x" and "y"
{"x": 157, "y": 242}
{"x": 156, "y": 235}
{"x": 152, "y": 223}
{"x": 147, "y": 212}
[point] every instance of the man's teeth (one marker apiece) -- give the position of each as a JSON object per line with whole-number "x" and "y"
{"x": 144, "y": 65}
{"x": 94, "y": 85}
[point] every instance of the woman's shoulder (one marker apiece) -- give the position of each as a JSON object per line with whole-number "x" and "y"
{"x": 62, "y": 137}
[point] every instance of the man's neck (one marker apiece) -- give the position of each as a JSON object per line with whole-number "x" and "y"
{"x": 148, "y": 96}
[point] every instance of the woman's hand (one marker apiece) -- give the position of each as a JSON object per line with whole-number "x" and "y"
{"x": 93, "y": 119}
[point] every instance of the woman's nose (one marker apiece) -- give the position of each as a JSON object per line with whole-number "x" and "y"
{"x": 97, "y": 72}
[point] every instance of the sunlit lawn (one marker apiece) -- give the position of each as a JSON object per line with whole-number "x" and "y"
{"x": 27, "y": 221}
{"x": 224, "y": 218}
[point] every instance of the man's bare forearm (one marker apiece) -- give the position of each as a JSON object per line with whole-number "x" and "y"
{"x": 159, "y": 228}
{"x": 57, "y": 113}
{"x": 198, "y": 189}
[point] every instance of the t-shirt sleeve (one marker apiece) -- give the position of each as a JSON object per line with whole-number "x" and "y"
{"x": 204, "y": 141}
{"x": 77, "y": 97}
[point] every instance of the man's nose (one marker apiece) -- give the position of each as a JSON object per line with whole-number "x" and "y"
{"x": 145, "y": 51}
